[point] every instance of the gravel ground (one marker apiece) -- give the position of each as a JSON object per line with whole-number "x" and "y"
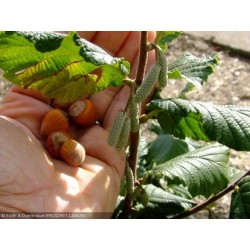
{"x": 228, "y": 85}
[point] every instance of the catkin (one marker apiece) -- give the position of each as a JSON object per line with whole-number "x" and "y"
{"x": 144, "y": 197}
{"x": 163, "y": 75}
{"x": 134, "y": 116}
{"x": 147, "y": 84}
{"x": 116, "y": 129}
{"x": 129, "y": 180}
{"x": 136, "y": 193}
{"x": 124, "y": 135}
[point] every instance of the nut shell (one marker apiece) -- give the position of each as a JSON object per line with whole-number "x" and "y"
{"x": 54, "y": 120}
{"x": 72, "y": 153}
{"x": 83, "y": 113}
{"x": 55, "y": 141}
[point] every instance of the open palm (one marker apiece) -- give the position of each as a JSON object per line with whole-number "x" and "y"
{"x": 32, "y": 181}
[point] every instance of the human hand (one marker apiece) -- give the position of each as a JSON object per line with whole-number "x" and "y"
{"x": 32, "y": 181}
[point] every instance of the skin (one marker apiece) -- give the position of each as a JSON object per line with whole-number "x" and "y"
{"x": 31, "y": 180}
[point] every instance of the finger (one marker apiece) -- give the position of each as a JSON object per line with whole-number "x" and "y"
{"x": 94, "y": 141}
{"x": 102, "y": 101}
{"x": 30, "y": 92}
{"x": 23, "y": 106}
{"x": 118, "y": 103}
{"x": 111, "y": 41}
{"x": 88, "y": 35}
{"x": 130, "y": 50}
{"x": 127, "y": 45}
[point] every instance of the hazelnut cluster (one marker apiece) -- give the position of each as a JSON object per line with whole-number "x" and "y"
{"x": 55, "y": 128}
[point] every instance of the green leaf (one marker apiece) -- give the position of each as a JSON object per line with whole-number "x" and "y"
{"x": 166, "y": 147}
{"x": 179, "y": 190}
{"x": 64, "y": 67}
{"x": 227, "y": 124}
{"x": 162, "y": 204}
{"x": 194, "y": 70}
{"x": 143, "y": 163}
{"x": 203, "y": 171}
{"x": 163, "y": 38}
{"x": 156, "y": 128}
{"x": 240, "y": 200}
{"x": 176, "y": 74}
{"x": 157, "y": 195}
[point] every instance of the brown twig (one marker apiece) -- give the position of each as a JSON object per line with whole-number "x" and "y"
{"x": 132, "y": 160}
{"x": 142, "y": 58}
{"x": 212, "y": 199}
{"x": 134, "y": 137}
